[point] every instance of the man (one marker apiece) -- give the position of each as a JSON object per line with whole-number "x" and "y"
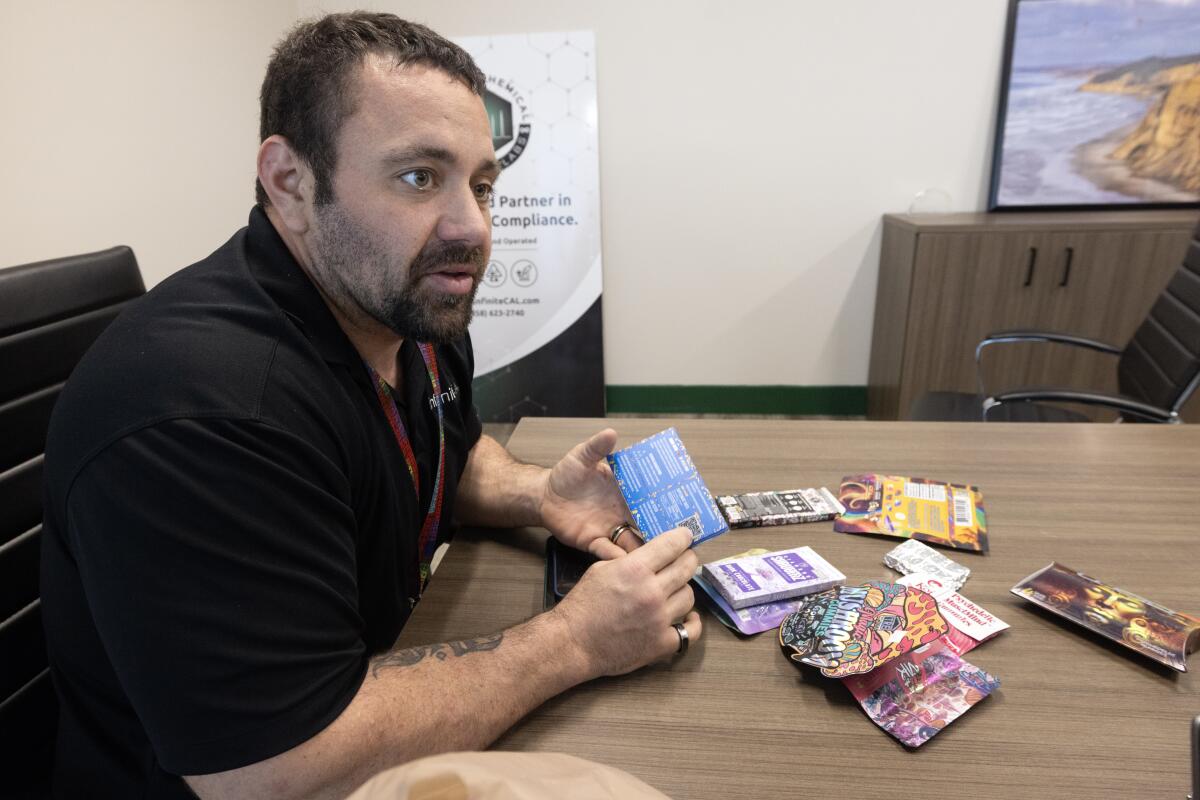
{"x": 249, "y": 473}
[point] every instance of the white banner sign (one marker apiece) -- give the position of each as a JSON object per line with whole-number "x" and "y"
{"x": 544, "y": 279}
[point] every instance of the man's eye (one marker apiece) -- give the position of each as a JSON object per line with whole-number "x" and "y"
{"x": 483, "y": 192}
{"x": 418, "y": 178}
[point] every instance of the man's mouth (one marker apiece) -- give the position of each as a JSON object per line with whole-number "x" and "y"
{"x": 456, "y": 279}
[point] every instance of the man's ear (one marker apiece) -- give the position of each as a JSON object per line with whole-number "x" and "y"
{"x": 288, "y": 182}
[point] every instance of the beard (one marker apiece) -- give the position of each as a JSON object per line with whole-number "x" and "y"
{"x": 362, "y": 275}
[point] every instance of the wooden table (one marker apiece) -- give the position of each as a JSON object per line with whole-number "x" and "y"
{"x": 1074, "y": 716}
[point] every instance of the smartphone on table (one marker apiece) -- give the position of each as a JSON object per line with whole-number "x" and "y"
{"x": 564, "y": 567}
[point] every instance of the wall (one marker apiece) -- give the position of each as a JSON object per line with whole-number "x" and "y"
{"x": 130, "y": 122}
{"x": 747, "y": 152}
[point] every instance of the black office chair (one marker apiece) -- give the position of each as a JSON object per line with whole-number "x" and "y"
{"x": 1157, "y": 371}
{"x": 50, "y": 313}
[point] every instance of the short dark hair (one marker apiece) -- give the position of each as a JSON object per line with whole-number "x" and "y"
{"x": 309, "y": 90}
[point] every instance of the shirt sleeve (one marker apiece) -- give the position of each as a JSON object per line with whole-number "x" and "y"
{"x": 218, "y": 561}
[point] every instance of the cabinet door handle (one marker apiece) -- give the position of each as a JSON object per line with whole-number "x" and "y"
{"x": 1029, "y": 269}
{"x": 1067, "y": 267}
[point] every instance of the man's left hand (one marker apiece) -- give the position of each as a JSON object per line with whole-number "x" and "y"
{"x": 581, "y": 504}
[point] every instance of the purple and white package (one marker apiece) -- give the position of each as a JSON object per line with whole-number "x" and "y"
{"x": 749, "y": 620}
{"x": 752, "y": 580}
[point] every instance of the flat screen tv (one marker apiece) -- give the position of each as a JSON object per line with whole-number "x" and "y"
{"x": 1099, "y": 106}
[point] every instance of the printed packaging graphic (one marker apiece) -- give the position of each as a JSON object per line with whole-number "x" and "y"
{"x": 757, "y": 509}
{"x": 855, "y": 629}
{"x": 753, "y": 580}
{"x": 958, "y": 642}
{"x": 913, "y": 557}
{"x": 967, "y": 617}
{"x": 946, "y": 514}
{"x": 748, "y": 620}
{"x": 663, "y": 490}
{"x": 917, "y": 695}
{"x": 1135, "y": 622}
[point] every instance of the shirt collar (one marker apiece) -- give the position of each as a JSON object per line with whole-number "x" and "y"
{"x": 276, "y": 271}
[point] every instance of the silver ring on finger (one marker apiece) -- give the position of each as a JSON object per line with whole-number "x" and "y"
{"x": 683, "y": 638}
{"x": 617, "y": 531}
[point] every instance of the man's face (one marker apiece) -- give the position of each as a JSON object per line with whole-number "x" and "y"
{"x": 405, "y": 240}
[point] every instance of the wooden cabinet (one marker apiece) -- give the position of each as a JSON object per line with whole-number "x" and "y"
{"x": 947, "y": 280}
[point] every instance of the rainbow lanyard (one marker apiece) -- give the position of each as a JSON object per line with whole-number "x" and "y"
{"x": 427, "y": 541}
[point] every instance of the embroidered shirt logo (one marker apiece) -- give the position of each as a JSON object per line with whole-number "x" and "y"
{"x": 448, "y": 396}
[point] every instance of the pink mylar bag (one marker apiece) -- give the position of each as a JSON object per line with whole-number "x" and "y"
{"x": 917, "y": 695}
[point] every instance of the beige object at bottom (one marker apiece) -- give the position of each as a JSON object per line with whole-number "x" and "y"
{"x": 505, "y": 776}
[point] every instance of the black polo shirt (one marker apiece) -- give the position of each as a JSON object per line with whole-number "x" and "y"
{"x": 230, "y": 527}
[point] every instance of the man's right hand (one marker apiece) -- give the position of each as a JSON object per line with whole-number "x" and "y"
{"x": 620, "y": 614}
{"x": 438, "y": 698}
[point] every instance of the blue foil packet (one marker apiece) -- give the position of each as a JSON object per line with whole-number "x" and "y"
{"x": 663, "y": 490}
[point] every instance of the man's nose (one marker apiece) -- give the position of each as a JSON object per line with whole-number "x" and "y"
{"x": 465, "y": 220}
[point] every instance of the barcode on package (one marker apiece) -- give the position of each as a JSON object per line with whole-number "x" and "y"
{"x": 925, "y": 491}
{"x": 692, "y": 523}
{"x": 964, "y": 514}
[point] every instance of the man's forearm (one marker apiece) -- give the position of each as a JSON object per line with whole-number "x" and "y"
{"x": 498, "y": 491}
{"x": 415, "y": 702}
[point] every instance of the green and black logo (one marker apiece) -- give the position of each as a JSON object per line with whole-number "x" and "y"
{"x": 508, "y": 114}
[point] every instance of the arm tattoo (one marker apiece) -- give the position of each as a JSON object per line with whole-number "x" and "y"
{"x": 414, "y": 655}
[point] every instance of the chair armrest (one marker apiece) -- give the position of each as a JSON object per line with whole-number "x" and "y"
{"x": 1008, "y": 337}
{"x": 1011, "y": 337}
{"x": 1118, "y": 402}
